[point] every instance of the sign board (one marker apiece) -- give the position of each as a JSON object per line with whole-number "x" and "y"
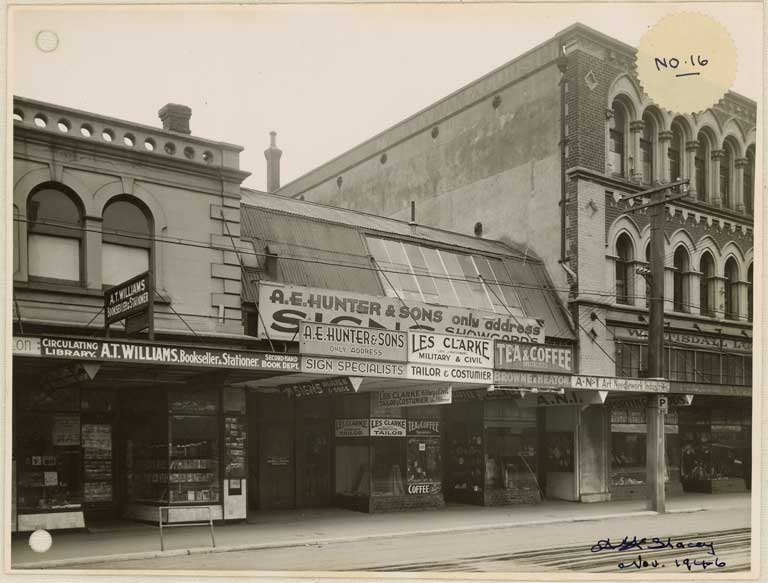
{"x": 348, "y": 366}
{"x": 687, "y": 339}
{"x": 387, "y": 427}
{"x": 352, "y": 342}
{"x": 509, "y": 378}
{"x": 128, "y": 298}
{"x": 320, "y": 387}
{"x": 442, "y": 349}
{"x": 352, "y": 427}
{"x": 534, "y": 357}
{"x": 414, "y": 397}
{"x": 26, "y": 346}
{"x": 449, "y": 374}
{"x": 568, "y": 398}
{"x": 425, "y": 427}
{"x": 89, "y": 349}
{"x": 619, "y": 384}
{"x": 431, "y": 488}
{"x": 642, "y": 402}
{"x": 662, "y": 402}
{"x": 282, "y": 309}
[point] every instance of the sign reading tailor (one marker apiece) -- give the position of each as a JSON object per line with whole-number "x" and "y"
{"x": 352, "y": 427}
{"x": 450, "y": 374}
{"x": 350, "y": 367}
{"x": 164, "y": 354}
{"x": 283, "y": 308}
{"x": 415, "y": 397}
{"x": 352, "y": 342}
{"x": 527, "y": 356}
{"x": 128, "y": 298}
{"x": 320, "y": 387}
{"x": 387, "y": 427}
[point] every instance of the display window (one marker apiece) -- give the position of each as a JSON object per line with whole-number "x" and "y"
{"x": 194, "y": 459}
{"x": 388, "y": 467}
{"x": 146, "y": 458}
{"x": 510, "y": 456}
{"x": 559, "y": 454}
{"x": 425, "y": 465}
{"x": 464, "y": 456}
{"x": 353, "y": 475}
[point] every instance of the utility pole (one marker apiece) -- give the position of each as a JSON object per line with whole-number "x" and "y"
{"x": 655, "y": 459}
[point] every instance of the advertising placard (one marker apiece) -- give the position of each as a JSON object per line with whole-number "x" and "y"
{"x": 567, "y": 398}
{"x": 350, "y": 367}
{"x": 425, "y": 488}
{"x": 426, "y": 427}
{"x": 352, "y": 427}
{"x": 352, "y": 342}
{"x": 535, "y": 357}
{"x": 642, "y": 402}
{"x": 282, "y": 309}
{"x": 387, "y": 427}
{"x": 431, "y": 348}
{"x": 415, "y": 397}
{"x": 511, "y": 378}
{"x": 319, "y": 387}
{"x": 127, "y": 298}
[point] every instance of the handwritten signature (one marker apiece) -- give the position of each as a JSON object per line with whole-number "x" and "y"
{"x": 659, "y": 543}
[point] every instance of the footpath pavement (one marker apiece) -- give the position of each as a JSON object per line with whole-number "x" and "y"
{"x": 295, "y": 528}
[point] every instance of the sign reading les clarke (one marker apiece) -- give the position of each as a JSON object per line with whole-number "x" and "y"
{"x": 128, "y": 298}
{"x": 449, "y": 358}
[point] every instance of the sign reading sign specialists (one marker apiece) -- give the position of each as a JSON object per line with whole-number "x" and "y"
{"x": 352, "y": 427}
{"x": 415, "y": 397}
{"x": 352, "y": 342}
{"x": 152, "y": 353}
{"x": 430, "y": 348}
{"x": 282, "y": 308}
{"x": 387, "y": 427}
{"x": 349, "y": 367}
{"x": 128, "y": 298}
{"x": 527, "y": 356}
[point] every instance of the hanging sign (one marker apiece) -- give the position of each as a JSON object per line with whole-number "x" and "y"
{"x": 321, "y": 387}
{"x": 352, "y": 427}
{"x": 387, "y": 427}
{"x": 352, "y": 342}
{"x": 127, "y": 299}
{"x": 414, "y": 397}
{"x": 282, "y": 308}
{"x": 536, "y": 357}
{"x": 642, "y": 403}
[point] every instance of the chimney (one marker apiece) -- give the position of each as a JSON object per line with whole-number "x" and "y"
{"x": 175, "y": 117}
{"x": 412, "y": 222}
{"x": 272, "y": 154}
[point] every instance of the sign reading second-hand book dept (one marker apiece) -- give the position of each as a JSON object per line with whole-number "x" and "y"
{"x": 535, "y": 357}
{"x": 459, "y": 359}
{"x": 283, "y": 308}
{"x": 352, "y": 342}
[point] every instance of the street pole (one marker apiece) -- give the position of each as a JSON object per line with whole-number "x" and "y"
{"x": 655, "y": 459}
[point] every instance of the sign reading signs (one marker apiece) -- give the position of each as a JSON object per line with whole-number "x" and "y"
{"x": 352, "y": 342}
{"x": 153, "y": 353}
{"x": 387, "y": 427}
{"x": 537, "y": 357}
{"x": 283, "y": 308}
{"x": 127, "y": 299}
{"x": 320, "y": 387}
{"x": 415, "y": 397}
{"x": 352, "y": 427}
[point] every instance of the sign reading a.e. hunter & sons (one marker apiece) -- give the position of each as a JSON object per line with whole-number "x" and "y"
{"x": 538, "y": 357}
{"x": 282, "y": 309}
{"x": 458, "y": 359}
{"x": 352, "y": 342}
{"x": 127, "y": 299}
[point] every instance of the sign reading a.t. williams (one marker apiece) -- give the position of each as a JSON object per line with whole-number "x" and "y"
{"x": 127, "y": 299}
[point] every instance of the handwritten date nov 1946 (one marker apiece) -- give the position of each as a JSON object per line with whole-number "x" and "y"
{"x": 660, "y": 543}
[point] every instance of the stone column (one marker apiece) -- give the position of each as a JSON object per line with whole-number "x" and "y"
{"x": 662, "y": 163}
{"x": 738, "y": 185}
{"x": 694, "y": 279}
{"x": 636, "y": 130}
{"x": 690, "y": 159}
{"x": 92, "y": 253}
{"x": 715, "y": 197}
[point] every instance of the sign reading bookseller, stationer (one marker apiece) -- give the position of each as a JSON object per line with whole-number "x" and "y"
{"x": 352, "y": 342}
{"x": 130, "y": 300}
{"x": 283, "y": 308}
{"x": 535, "y": 357}
{"x": 459, "y": 359}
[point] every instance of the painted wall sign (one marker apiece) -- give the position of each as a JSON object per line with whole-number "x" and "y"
{"x": 688, "y": 339}
{"x": 450, "y": 374}
{"x": 425, "y": 427}
{"x": 127, "y": 298}
{"x": 387, "y": 427}
{"x": 352, "y": 342}
{"x": 531, "y": 379}
{"x": 430, "y": 348}
{"x": 319, "y": 387}
{"x": 535, "y": 357}
{"x": 415, "y": 397}
{"x": 153, "y": 353}
{"x": 619, "y": 384}
{"x": 352, "y": 427}
{"x": 282, "y": 308}
{"x": 350, "y": 367}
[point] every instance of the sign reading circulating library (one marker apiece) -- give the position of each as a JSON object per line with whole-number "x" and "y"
{"x": 387, "y": 427}
{"x": 352, "y": 342}
{"x": 415, "y": 397}
{"x": 153, "y": 353}
{"x": 536, "y": 357}
{"x": 283, "y": 308}
{"x": 352, "y": 427}
{"x": 321, "y": 387}
{"x": 349, "y": 367}
{"x": 128, "y": 298}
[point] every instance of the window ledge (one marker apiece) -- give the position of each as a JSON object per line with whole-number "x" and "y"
{"x": 73, "y": 290}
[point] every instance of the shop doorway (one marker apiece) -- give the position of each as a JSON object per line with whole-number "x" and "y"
{"x": 272, "y": 463}
{"x": 98, "y": 428}
{"x": 313, "y": 453}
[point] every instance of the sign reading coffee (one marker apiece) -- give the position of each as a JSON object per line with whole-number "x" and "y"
{"x": 283, "y": 308}
{"x": 527, "y": 356}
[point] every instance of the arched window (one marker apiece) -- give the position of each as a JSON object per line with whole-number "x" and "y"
{"x": 726, "y": 172}
{"x": 617, "y": 131}
{"x": 680, "y": 286}
{"x": 750, "y": 297}
{"x": 731, "y": 274}
{"x": 749, "y": 181}
{"x": 701, "y": 162}
{"x": 55, "y": 235}
{"x": 647, "y": 140}
{"x": 706, "y": 285}
{"x": 624, "y": 258}
{"x": 126, "y": 240}
{"x": 676, "y": 152}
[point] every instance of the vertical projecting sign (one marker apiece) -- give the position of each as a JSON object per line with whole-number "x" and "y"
{"x": 131, "y": 301}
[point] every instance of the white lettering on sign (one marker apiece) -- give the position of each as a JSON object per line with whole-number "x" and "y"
{"x": 527, "y": 356}
{"x": 348, "y": 367}
{"x": 450, "y": 374}
{"x": 415, "y": 397}
{"x": 387, "y": 427}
